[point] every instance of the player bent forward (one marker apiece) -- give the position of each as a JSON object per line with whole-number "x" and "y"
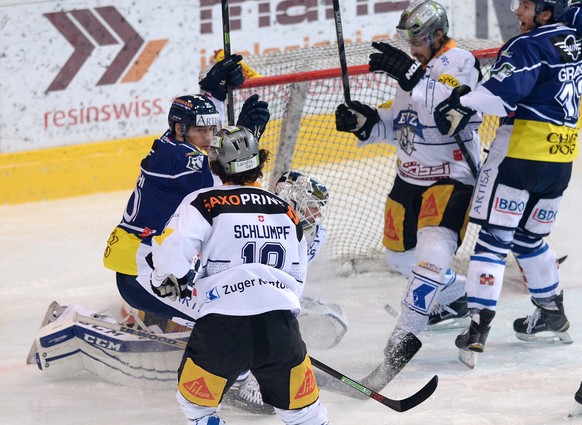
{"x": 254, "y": 264}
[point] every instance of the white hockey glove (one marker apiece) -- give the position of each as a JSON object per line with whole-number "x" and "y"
{"x": 396, "y": 64}
{"x": 450, "y": 116}
{"x": 356, "y": 118}
{"x": 170, "y": 286}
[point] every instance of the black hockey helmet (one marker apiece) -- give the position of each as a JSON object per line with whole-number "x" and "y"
{"x": 558, "y": 7}
{"x": 195, "y": 110}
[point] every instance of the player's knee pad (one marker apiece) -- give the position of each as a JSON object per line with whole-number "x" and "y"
{"x": 494, "y": 241}
{"x": 198, "y": 415}
{"x": 540, "y": 271}
{"x": 435, "y": 248}
{"x": 314, "y": 414}
{"x": 402, "y": 262}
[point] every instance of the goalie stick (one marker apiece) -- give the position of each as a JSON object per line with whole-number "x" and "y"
{"x": 397, "y": 405}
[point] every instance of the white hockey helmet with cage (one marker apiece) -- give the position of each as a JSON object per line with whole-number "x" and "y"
{"x": 421, "y": 19}
{"x": 558, "y": 7}
{"x": 236, "y": 149}
{"x": 307, "y": 196}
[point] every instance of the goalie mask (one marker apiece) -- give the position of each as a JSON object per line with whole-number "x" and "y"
{"x": 558, "y": 8}
{"x": 307, "y": 196}
{"x": 195, "y": 110}
{"x": 235, "y": 149}
{"x": 421, "y": 19}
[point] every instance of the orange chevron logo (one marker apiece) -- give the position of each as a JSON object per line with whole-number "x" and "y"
{"x": 103, "y": 26}
{"x": 307, "y": 386}
{"x": 198, "y": 388}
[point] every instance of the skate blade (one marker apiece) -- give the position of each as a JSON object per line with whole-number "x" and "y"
{"x": 576, "y": 411}
{"x": 549, "y": 337}
{"x": 468, "y": 358}
{"x": 30, "y": 358}
{"x": 447, "y": 324}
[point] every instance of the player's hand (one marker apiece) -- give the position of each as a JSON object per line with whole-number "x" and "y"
{"x": 224, "y": 74}
{"x": 356, "y": 118}
{"x": 396, "y": 64}
{"x": 169, "y": 286}
{"x": 450, "y": 116}
{"x": 254, "y": 115}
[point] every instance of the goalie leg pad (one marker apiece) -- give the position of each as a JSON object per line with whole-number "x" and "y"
{"x": 322, "y": 325}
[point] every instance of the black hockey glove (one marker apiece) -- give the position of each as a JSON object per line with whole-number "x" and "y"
{"x": 254, "y": 115}
{"x": 170, "y": 287}
{"x": 224, "y": 74}
{"x": 450, "y": 116}
{"x": 396, "y": 64}
{"x": 356, "y": 118}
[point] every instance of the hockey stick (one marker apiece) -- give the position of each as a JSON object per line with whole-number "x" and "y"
{"x": 342, "y": 50}
{"x": 467, "y": 156}
{"x": 178, "y": 343}
{"x": 397, "y": 405}
{"x": 226, "y": 36}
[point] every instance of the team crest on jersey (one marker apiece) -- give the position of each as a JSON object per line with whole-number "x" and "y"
{"x": 195, "y": 162}
{"x": 569, "y": 47}
{"x": 409, "y": 129}
{"x": 503, "y": 71}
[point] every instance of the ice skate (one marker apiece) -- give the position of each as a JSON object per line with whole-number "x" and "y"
{"x": 577, "y": 409}
{"x": 449, "y": 316}
{"x": 472, "y": 340}
{"x": 53, "y": 312}
{"x": 547, "y": 324}
{"x": 248, "y": 398}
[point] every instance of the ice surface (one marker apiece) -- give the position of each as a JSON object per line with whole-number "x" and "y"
{"x": 52, "y": 251}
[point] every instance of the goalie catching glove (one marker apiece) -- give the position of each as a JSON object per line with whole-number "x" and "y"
{"x": 224, "y": 74}
{"x": 170, "y": 286}
{"x": 450, "y": 116}
{"x": 356, "y": 118}
{"x": 254, "y": 115}
{"x": 396, "y": 64}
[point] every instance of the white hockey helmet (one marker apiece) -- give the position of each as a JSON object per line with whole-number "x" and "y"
{"x": 236, "y": 149}
{"x": 421, "y": 19}
{"x": 306, "y": 195}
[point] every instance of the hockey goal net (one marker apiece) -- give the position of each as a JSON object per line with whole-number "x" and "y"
{"x": 303, "y": 88}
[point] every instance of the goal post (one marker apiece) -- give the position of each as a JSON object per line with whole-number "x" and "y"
{"x": 303, "y": 88}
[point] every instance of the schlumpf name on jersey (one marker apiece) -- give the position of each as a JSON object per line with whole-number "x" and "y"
{"x": 240, "y": 287}
{"x": 255, "y": 231}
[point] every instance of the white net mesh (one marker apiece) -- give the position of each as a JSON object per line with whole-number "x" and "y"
{"x": 302, "y": 136}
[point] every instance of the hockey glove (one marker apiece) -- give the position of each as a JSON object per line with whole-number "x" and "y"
{"x": 254, "y": 115}
{"x": 396, "y": 64}
{"x": 450, "y": 116}
{"x": 224, "y": 74}
{"x": 170, "y": 286}
{"x": 356, "y": 118}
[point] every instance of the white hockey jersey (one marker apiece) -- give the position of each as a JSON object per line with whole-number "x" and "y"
{"x": 251, "y": 245}
{"x": 425, "y": 155}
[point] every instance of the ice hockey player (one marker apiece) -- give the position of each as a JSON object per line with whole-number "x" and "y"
{"x": 175, "y": 166}
{"x": 322, "y": 325}
{"x": 254, "y": 263}
{"x": 425, "y": 214}
{"x": 534, "y": 87}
